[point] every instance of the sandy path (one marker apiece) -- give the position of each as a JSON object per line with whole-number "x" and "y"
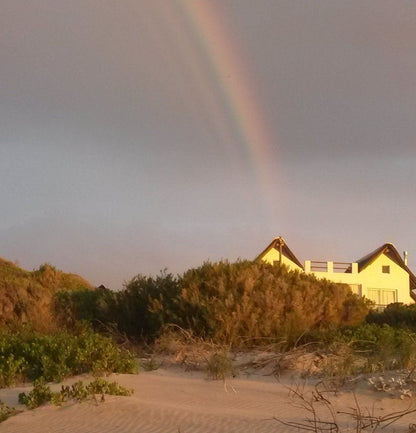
{"x": 165, "y": 401}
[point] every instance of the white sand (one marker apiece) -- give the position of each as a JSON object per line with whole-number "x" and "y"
{"x": 170, "y": 401}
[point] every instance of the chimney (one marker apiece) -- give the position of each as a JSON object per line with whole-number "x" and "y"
{"x": 405, "y": 257}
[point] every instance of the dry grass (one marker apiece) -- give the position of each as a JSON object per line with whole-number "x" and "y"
{"x": 321, "y": 415}
{"x": 179, "y": 347}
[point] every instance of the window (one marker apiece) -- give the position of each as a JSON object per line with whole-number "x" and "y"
{"x": 382, "y": 297}
{"x": 385, "y": 269}
{"x": 356, "y": 289}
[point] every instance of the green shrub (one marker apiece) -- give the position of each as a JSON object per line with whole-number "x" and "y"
{"x": 147, "y": 304}
{"x": 28, "y": 355}
{"x": 11, "y": 369}
{"x": 40, "y": 394}
{"x": 140, "y": 310}
{"x": 93, "y": 306}
{"x": 396, "y": 315}
{"x": 243, "y": 302}
{"x": 383, "y": 347}
{"x": 6, "y": 411}
{"x": 101, "y": 386}
{"x": 78, "y": 391}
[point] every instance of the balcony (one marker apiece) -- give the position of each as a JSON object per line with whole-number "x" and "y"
{"x": 330, "y": 267}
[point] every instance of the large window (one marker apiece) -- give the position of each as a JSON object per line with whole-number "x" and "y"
{"x": 382, "y": 297}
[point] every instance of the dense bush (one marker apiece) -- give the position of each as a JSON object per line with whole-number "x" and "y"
{"x": 40, "y": 394}
{"x": 397, "y": 315}
{"x": 6, "y": 411}
{"x": 28, "y": 355}
{"x": 140, "y": 310}
{"x": 25, "y": 297}
{"x": 233, "y": 303}
{"x": 382, "y": 347}
{"x": 147, "y": 304}
{"x": 390, "y": 347}
{"x": 97, "y": 307}
{"x": 253, "y": 301}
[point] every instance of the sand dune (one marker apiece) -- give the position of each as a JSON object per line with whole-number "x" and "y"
{"x": 170, "y": 401}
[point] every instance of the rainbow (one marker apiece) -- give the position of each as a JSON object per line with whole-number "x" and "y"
{"x": 245, "y": 130}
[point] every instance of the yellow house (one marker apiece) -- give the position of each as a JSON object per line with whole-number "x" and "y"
{"x": 381, "y": 276}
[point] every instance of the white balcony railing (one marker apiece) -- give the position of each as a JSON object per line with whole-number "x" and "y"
{"x": 316, "y": 266}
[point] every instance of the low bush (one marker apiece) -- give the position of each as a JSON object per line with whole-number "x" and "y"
{"x": 384, "y": 346}
{"x": 6, "y": 411}
{"x": 396, "y": 315}
{"x": 101, "y": 386}
{"x": 381, "y": 347}
{"x": 41, "y": 393}
{"x": 28, "y": 355}
{"x": 219, "y": 366}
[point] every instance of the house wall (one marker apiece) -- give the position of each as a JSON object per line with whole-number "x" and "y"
{"x": 398, "y": 279}
{"x": 371, "y": 282}
{"x": 352, "y": 278}
{"x": 273, "y": 255}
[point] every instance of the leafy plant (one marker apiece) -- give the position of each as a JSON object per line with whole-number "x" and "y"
{"x": 28, "y": 355}
{"x": 40, "y": 394}
{"x": 395, "y": 315}
{"x": 101, "y": 386}
{"x": 6, "y": 411}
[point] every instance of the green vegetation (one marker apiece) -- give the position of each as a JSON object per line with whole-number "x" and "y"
{"x": 41, "y": 393}
{"x": 6, "y": 411}
{"x": 28, "y": 355}
{"x": 235, "y": 304}
{"x": 385, "y": 347}
{"x": 397, "y": 315}
{"x": 366, "y": 348}
{"x": 215, "y": 308}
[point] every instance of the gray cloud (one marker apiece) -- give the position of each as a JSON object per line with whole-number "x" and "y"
{"x": 118, "y": 153}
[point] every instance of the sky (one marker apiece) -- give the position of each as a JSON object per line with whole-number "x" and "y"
{"x": 142, "y": 135}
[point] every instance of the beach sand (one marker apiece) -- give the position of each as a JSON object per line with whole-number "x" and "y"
{"x": 172, "y": 401}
